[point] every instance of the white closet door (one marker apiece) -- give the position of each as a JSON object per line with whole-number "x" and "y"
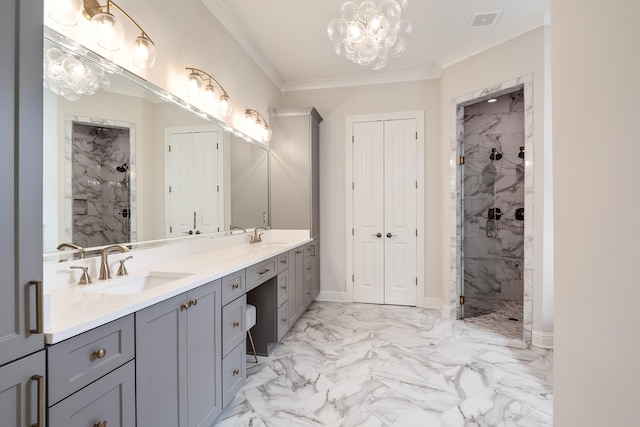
{"x": 179, "y": 169}
{"x": 385, "y": 212}
{"x": 400, "y": 210}
{"x": 206, "y": 182}
{"x": 368, "y": 201}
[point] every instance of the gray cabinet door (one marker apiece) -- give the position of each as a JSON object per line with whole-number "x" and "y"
{"x": 19, "y": 390}
{"x": 179, "y": 360}
{"x": 204, "y": 355}
{"x": 161, "y": 364}
{"x": 20, "y": 176}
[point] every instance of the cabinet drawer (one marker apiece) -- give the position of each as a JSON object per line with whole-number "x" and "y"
{"x": 233, "y": 324}
{"x": 233, "y": 285}
{"x": 283, "y": 262}
{"x": 308, "y": 292}
{"x": 78, "y": 361}
{"x": 283, "y": 321}
{"x": 310, "y": 250}
{"x": 260, "y": 273}
{"x": 308, "y": 268}
{"x": 283, "y": 287}
{"x": 234, "y": 367}
{"x": 111, "y": 399}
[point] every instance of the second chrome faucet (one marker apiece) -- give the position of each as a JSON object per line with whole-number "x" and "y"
{"x": 105, "y": 270}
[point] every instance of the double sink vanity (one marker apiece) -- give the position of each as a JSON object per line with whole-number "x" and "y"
{"x": 166, "y": 344}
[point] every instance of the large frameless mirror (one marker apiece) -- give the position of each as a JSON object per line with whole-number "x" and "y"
{"x": 128, "y": 163}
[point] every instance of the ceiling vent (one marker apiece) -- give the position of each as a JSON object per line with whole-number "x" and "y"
{"x": 484, "y": 19}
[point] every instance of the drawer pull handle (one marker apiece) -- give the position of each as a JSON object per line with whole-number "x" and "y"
{"x": 99, "y": 354}
{"x": 266, "y": 270}
{"x": 283, "y": 261}
{"x": 235, "y": 286}
{"x": 102, "y": 423}
{"x": 283, "y": 287}
{"x": 284, "y": 320}
{"x": 298, "y": 252}
{"x": 39, "y": 379}
{"x": 236, "y": 324}
{"x": 236, "y": 372}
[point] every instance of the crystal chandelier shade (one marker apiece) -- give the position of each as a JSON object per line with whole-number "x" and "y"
{"x": 369, "y": 33}
{"x": 67, "y": 76}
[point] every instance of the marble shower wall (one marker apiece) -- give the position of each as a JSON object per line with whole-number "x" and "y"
{"x": 100, "y": 185}
{"x": 494, "y": 267}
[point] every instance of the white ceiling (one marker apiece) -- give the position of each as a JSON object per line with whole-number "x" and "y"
{"x": 288, "y": 38}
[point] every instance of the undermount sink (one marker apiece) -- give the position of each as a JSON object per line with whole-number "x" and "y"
{"x": 135, "y": 284}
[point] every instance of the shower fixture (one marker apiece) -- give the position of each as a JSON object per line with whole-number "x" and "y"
{"x": 495, "y": 155}
{"x": 521, "y": 153}
{"x": 122, "y": 168}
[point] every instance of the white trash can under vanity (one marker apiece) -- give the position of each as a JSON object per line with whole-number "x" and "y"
{"x": 251, "y": 322}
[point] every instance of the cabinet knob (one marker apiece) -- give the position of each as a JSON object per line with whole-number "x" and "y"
{"x": 236, "y": 324}
{"x": 102, "y": 423}
{"x": 236, "y": 372}
{"x": 193, "y": 302}
{"x": 99, "y": 354}
{"x": 235, "y": 286}
{"x": 184, "y": 307}
{"x": 284, "y": 320}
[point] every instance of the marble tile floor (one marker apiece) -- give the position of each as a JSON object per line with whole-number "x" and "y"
{"x": 370, "y": 365}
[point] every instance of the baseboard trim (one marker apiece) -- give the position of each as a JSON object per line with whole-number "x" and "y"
{"x": 332, "y": 296}
{"x": 432, "y": 303}
{"x": 542, "y": 339}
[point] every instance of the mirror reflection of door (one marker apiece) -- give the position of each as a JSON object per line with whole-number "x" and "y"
{"x": 100, "y": 167}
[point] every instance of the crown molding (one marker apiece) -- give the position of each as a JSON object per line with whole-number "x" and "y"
{"x": 364, "y": 79}
{"x": 494, "y": 39}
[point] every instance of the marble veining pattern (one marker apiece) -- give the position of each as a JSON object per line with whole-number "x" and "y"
{"x": 372, "y": 365}
{"x": 115, "y": 157}
{"x": 457, "y": 253}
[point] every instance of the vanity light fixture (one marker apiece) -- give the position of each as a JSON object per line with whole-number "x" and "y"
{"x": 370, "y": 32}
{"x": 258, "y": 125}
{"x": 201, "y": 83}
{"x": 108, "y": 30}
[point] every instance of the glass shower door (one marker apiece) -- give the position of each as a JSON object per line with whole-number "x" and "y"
{"x": 481, "y": 244}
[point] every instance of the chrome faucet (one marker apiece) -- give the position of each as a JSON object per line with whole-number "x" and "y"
{"x": 257, "y": 238}
{"x": 105, "y": 270}
{"x": 80, "y": 249}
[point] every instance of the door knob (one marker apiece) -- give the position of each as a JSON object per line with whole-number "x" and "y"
{"x": 389, "y": 235}
{"x": 378, "y": 235}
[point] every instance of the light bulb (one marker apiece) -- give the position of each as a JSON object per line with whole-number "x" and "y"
{"x": 194, "y": 83}
{"x": 144, "y": 52}
{"x": 66, "y": 12}
{"x": 266, "y": 133}
{"x": 108, "y": 30}
{"x": 210, "y": 96}
{"x": 224, "y": 105}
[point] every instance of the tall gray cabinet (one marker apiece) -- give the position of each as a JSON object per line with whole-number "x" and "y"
{"x": 295, "y": 196}
{"x": 22, "y": 360}
{"x": 295, "y": 169}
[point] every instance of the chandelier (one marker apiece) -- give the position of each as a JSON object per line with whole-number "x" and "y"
{"x": 369, "y": 33}
{"x": 71, "y": 78}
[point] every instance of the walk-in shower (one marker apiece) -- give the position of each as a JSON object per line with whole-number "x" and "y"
{"x": 101, "y": 194}
{"x": 493, "y": 206}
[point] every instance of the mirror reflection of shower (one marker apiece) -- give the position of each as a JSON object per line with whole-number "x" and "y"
{"x": 100, "y": 184}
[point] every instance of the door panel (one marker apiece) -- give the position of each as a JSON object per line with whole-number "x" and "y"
{"x": 206, "y": 183}
{"x": 368, "y": 202}
{"x": 181, "y": 175}
{"x": 400, "y": 212}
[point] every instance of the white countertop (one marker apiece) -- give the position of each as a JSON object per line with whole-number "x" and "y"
{"x": 73, "y": 309}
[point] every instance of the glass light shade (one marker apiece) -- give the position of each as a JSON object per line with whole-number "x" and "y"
{"x": 210, "y": 96}
{"x": 144, "y": 52}
{"x": 194, "y": 83}
{"x": 224, "y": 105}
{"x": 108, "y": 31}
{"x": 66, "y": 12}
{"x": 266, "y": 133}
